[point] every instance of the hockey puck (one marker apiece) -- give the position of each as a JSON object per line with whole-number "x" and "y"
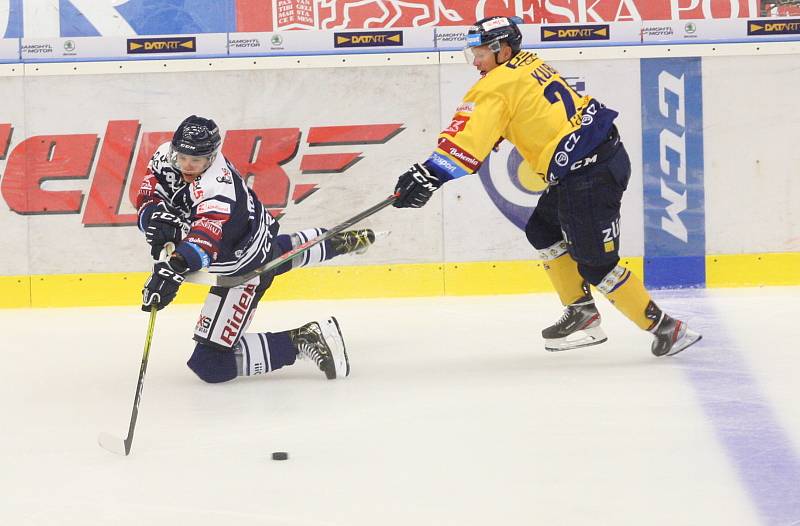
{"x": 280, "y": 455}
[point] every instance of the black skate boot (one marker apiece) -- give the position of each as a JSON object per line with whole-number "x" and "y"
{"x": 322, "y": 343}
{"x": 671, "y": 335}
{"x": 579, "y": 326}
{"x": 352, "y": 241}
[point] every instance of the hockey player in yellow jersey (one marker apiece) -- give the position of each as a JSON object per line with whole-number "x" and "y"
{"x": 569, "y": 140}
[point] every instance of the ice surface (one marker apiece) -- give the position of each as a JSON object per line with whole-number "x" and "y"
{"x": 454, "y": 415}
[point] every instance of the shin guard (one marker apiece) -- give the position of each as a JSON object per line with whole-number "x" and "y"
{"x": 563, "y": 273}
{"x": 627, "y": 293}
{"x": 259, "y": 353}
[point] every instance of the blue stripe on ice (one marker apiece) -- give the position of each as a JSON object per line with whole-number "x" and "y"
{"x": 743, "y": 420}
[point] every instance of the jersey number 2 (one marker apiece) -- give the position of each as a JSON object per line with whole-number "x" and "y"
{"x": 558, "y": 92}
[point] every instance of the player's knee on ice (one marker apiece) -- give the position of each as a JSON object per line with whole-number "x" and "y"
{"x": 212, "y": 365}
{"x": 253, "y": 354}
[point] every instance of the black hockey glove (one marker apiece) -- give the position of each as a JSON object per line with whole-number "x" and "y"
{"x": 164, "y": 227}
{"x": 162, "y": 286}
{"x": 415, "y": 187}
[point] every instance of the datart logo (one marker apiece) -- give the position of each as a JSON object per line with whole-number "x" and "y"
{"x": 139, "y": 46}
{"x": 69, "y": 46}
{"x": 573, "y": 33}
{"x": 784, "y": 27}
{"x": 511, "y": 183}
{"x": 276, "y": 40}
{"x": 368, "y": 39}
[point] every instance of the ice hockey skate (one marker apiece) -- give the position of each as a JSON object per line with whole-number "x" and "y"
{"x": 355, "y": 241}
{"x": 672, "y": 336}
{"x": 579, "y": 326}
{"x": 322, "y": 343}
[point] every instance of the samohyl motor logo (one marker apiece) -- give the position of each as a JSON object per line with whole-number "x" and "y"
{"x": 511, "y": 184}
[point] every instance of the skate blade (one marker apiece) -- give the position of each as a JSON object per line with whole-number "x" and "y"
{"x": 584, "y": 338}
{"x": 686, "y": 341}
{"x": 333, "y": 337}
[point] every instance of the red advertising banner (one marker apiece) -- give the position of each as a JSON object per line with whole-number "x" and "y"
{"x": 38, "y": 159}
{"x": 278, "y": 15}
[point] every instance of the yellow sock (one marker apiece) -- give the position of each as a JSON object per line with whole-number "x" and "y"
{"x": 563, "y": 274}
{"x": 627, "y": 293}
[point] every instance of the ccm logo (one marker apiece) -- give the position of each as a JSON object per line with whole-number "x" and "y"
{"x": 582, "y": 163}
{"x": 672, "y": 105}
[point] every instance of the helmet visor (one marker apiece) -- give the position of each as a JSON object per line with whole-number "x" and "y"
{"x": 472, "y": 53}
{"x": 190, "y": 164}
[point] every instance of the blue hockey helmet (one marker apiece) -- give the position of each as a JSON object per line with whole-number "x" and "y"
{"x": 493, "y": 30}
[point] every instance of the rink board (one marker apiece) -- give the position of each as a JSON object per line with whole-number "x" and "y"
{"x": 74, "y": 146}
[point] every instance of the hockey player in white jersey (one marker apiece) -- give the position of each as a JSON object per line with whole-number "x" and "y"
{"x": 194, "y": 198}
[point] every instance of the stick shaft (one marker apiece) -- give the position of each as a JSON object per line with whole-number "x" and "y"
{"x": 140, "y": 382}
{"x": 106, "y": 440}
{"x": 235, "y": 281}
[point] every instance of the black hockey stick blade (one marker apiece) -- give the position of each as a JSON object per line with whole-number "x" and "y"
{"x": 235, "y": 281}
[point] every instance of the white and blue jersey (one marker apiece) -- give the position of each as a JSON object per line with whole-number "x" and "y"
{"x": 229, "y": 230}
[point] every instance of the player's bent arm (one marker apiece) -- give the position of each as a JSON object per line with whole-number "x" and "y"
{"x": 148, "y": 200}
{"x": 476, "y": 128}
{"x": 202, "y": 244}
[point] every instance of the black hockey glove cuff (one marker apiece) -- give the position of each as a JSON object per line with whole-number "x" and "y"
{"x": 164, "y": 227}
{"x": 415, "y": 187}
{"x": 162, "y": 285}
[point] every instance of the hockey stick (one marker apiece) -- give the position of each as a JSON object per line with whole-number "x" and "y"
{"x": 110, "y": 442}
{"x": 235, "y": 281}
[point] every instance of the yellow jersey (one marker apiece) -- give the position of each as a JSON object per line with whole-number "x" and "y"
{"x": 527, "y": 102}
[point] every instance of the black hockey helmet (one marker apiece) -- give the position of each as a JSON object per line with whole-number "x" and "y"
{"x": 197, "y": 137}
{"x": 495, "y": 29}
